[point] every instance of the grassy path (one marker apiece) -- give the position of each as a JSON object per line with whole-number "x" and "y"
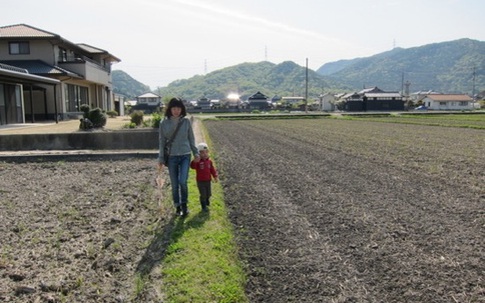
{"x": 201, "y": 262}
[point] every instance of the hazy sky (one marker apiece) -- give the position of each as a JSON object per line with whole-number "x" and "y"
{"x": 160, "y": 41}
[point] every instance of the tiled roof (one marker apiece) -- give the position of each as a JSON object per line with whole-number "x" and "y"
{"x": 91, "y": 49}
{"x": 452, "y": 97}
{"x": 149, "y": 95}
{"x": 95, "y": 50}
{"x": 374, "y": 89}
{"x": 24, "y": 31}
{"x": 38, "y": 67}
{"x": 13, "y": 68}
{"x": 349, "y": 95}
{"x": 258, "y": 96}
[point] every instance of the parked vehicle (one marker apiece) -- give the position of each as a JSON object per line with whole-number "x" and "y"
{"x": 422, "y": 107}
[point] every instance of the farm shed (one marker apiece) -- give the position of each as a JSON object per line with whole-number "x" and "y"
{"x": 382, "y": 101}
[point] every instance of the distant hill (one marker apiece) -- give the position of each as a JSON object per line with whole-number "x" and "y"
{"x": 334, "y": 67}
{"x": 284, "y": 79}
{"x": 446, "y": 67}
{"x": 124, "y": 84}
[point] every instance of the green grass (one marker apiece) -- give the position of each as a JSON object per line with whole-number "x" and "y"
{"x": 201, "y": 263}
{"x": 476, "y": 121}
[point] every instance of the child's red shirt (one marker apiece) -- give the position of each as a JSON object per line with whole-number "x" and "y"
{"x": 204, "y": 169}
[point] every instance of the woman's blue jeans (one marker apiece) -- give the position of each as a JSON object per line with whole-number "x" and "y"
{"x": 178, "y": 169}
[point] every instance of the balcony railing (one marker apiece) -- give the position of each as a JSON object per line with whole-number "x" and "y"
{"x": 82, "y": 59}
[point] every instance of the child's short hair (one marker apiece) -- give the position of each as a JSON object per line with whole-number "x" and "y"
{"x": 202, "y": 146}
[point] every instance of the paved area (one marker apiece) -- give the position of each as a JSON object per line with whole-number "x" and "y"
{"x": 50, "y": 127}
{"x": 73, "y": 126}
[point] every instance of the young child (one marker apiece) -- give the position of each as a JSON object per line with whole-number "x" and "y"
{"x": 205, "y": 172}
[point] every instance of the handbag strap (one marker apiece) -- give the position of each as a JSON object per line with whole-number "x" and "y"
{"x": 169, "y": 142}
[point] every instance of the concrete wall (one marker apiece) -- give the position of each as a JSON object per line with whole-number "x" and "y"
{"x": 124, "y": 139}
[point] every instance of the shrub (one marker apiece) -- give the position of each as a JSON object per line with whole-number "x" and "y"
{"x": 155, "y": 121}
{"x": 129, "y": 125}
{"x": 112, "y": 113}
{"x": 97, "y": 117}
{"x": 85, "y": 109}
{"x": 137, "y": 117}
{"x": 92, "y": 118}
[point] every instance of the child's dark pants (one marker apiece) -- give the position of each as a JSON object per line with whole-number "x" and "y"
{"x": 205, "y": 193}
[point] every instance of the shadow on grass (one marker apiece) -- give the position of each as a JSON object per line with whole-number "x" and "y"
{"x": 167, "y": 234}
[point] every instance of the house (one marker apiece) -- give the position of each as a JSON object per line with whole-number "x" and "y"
{"x": 204, "y": 103}
{"x": 215, "y": 104}
{"x": 148, "y": 103}
{"x": 259, "y": 101}
{"x": 448, "y": 102}
{"x": 81, "y": 74}
{"x": 373, "y": 99}
{"x": 352, "y": 102}
{"x": 14, "y": 82}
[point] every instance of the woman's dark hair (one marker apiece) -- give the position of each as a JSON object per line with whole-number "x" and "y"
{"x": 175, "y": 102}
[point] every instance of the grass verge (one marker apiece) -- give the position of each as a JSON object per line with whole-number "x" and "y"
{"x": 201, "y": 263}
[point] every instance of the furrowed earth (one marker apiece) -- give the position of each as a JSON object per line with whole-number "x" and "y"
{"x": 324, "y": 210}
{"x": 352, "y": 211}
{"x": 78, "y": 231}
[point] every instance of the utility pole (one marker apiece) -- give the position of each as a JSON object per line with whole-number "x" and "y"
{"x": 306, "y": 87}
{"x": 406, "y": 93}
{"x": 473, "y": 91}
{"x": 402, "y": 84}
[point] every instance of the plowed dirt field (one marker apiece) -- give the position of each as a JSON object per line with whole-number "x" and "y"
{"x": 352, "y": 211}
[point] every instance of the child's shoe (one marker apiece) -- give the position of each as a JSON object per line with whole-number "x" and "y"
{"x": 185, "y": 210}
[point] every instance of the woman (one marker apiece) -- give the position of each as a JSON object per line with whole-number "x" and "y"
{"x": 182, "y": 144}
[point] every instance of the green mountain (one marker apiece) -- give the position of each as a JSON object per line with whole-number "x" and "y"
{"x": 447, "y": 67}
{"x": 334, "y": 67}
{"x": 284, "y": 79}
{"x": 125, "y": 85}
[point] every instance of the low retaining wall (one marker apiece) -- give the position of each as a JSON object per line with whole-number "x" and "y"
{"x": 125, "y": 139}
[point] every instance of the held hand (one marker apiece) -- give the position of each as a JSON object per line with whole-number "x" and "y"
{"x": 197, "y": 159}
{"x": 160, "y": 167}
{"x": 216, "y": 180}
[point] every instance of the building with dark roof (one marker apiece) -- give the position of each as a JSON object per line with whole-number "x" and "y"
{"x": 259, "y": 101}
{"x": 373, "y": 99}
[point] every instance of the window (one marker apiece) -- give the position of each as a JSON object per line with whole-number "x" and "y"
{"x": 463, "y": 103}
{"x": 75, "y": 97}
{"x": 19, "y": 48}
{"x": 62, "y": 54}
